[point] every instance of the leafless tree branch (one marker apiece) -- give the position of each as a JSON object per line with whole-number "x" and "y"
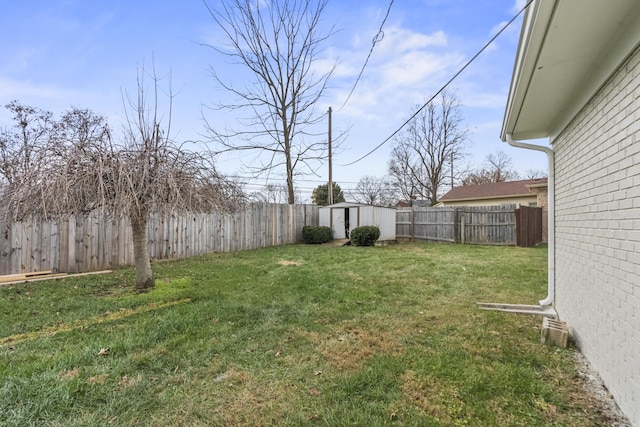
{"x": 278, "y": 43}
{"x": 427, "y": 152}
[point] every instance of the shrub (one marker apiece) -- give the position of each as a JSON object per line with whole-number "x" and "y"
{"x": 316, "y": 235}
{"x": 365, "y": 235}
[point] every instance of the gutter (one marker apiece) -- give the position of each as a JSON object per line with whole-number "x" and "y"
{"x": 551, "y": 283}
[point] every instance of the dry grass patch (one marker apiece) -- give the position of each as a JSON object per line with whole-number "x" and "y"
{"x": 127, "y": 381}
{"x": 286, "y": 262}
{"x": 256, "y": 404}
{"x": 354, "y": 276}
{"x": 348, "y": 346}
{"x": 70, "y": 374}
{"x": 97, "y": 379}
{"x": 236, "y": 397}
{"x": 233, "y": 377}
{"x": 429, "y": 396}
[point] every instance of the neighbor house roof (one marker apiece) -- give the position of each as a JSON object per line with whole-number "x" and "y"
{"x": 494, "y": 190}
{"x": 567, "y": 50}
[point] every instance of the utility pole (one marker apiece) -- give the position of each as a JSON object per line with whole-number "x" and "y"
{"x": 452, "y": 170}
{"x": 330, "y": 186}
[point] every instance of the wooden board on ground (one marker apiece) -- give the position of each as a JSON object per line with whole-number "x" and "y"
{"x": 24, "y": 276}
{"x": 12, "y": 279}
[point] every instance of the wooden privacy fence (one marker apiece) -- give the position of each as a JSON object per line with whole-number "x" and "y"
{"x": 487, "y": 225}
{"x": 95, "y": 242}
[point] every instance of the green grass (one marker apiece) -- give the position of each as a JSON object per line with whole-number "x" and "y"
{"x": 295, "y": 335}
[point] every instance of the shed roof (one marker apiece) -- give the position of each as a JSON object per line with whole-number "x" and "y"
{"x": 343, "y": 205}
{"x": 352, "y": 205}
{"x": 494, "y": 190}
{"x": 567, "y": 50}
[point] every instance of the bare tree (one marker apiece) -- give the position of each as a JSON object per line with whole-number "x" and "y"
{"x": 535, "y": 173}
{"x": 82, "y": 169}
{"x": 499, "y": 164}
{"x": 497, "y": 168}
{"x": 32, "y": 129}
{"x": 278, "y": 42}
{"x": 427, "y": 151}
{"x": 372, "y": 190}
{"x": 272, "y": 193}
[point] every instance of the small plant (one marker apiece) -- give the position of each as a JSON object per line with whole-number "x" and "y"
{"x": 365, "y": 235}
{"x": 316, "y": 234}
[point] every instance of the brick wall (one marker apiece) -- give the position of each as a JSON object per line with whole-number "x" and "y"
{"x": 598, "y": 233}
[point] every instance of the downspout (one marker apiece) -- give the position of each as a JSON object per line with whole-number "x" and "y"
{"x": 551, "y": 283}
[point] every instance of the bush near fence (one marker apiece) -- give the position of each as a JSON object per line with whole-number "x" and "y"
{"x": 314, "y": 235}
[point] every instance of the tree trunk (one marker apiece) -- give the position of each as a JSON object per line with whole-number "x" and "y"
{"x": 144, "y": 275}
{"x": 291, "y": 195}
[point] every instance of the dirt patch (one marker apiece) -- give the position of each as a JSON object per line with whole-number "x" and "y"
{"x": 285, "y": 262}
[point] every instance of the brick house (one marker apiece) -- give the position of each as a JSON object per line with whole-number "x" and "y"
{"x": 576, "y": 81}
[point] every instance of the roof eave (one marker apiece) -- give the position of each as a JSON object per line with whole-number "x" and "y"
{"x": 532, "y": 35}
{"x": 567, "y": 51}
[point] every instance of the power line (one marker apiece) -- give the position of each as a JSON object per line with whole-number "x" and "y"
{"x": 504, "y": 27}
{"x": 257, "y": 181}
{"x": 377, "y": 38}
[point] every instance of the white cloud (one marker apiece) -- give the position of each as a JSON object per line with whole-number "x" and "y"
{"x": 398, "y": 40}
{"x": 415, "y": 67}
{"x": 405, "y": 67}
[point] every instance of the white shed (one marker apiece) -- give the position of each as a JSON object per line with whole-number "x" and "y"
{"x": 344, "y": 217}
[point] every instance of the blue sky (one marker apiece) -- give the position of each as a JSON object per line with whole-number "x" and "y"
{"x": 56, "y": 54}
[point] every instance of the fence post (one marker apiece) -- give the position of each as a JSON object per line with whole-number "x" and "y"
{"x": 519, "y": 236}
{"x": 411, "y": 226}
{"x": 456, "y": 226}
{"x": 462, "y": 227}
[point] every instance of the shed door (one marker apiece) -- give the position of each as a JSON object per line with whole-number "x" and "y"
{"x": 343, "y": 220}
{"x": 337, "y": 223}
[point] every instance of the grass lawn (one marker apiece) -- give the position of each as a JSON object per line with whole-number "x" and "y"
{"x": 293, "y": 336}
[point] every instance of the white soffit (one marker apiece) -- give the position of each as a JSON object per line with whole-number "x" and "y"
{"x": 567, "y": 50}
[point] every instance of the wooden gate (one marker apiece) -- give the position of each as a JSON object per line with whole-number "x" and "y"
{"x": 528, "y": 226}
